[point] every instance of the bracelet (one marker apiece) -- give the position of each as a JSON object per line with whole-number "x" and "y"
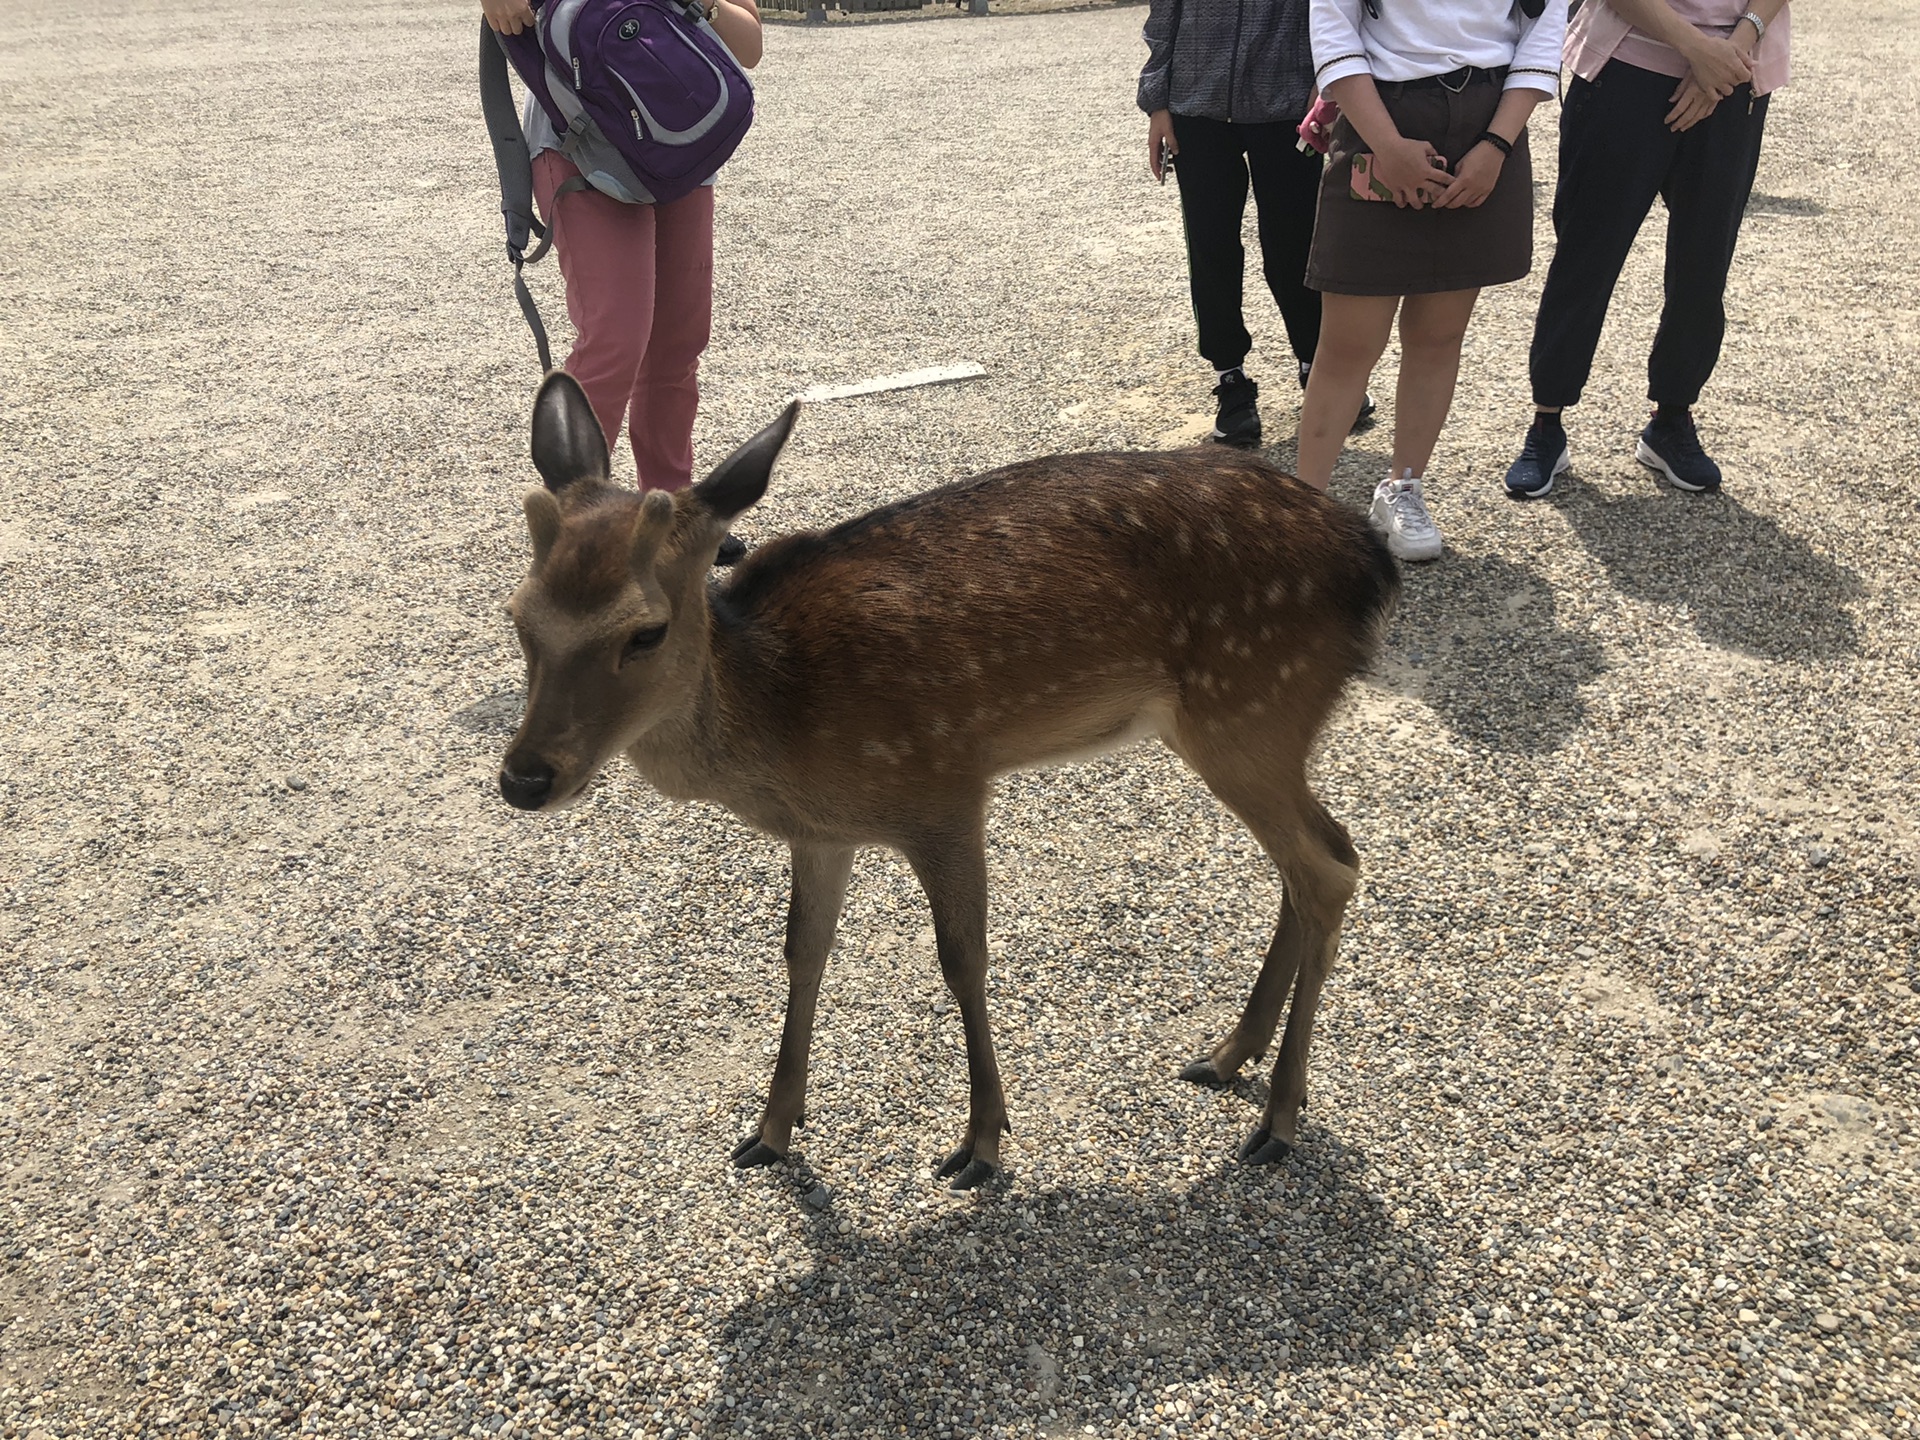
{"x": 1759, "y": 26}
{"x": 1505, "y": 147}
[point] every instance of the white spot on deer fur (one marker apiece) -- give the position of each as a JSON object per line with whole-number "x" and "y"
{"x": 1276, "y": 592}
{"x": 1306, "y": 591}
{"x": 1216, "y": 612}
{"x": 1256, "y": 707}
{"x": 1266, "y": 632}
{"x": 1183, "y": 541}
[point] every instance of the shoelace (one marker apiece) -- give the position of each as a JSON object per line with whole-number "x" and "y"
{"x": 1409, "y": 508}
{"x": 1685, "y": 438}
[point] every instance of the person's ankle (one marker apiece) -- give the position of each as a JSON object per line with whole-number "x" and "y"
{"x": 1547, "y": 420}
{"x": 1670, "y": 414}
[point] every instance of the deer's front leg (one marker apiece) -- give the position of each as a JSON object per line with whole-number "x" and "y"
{"x": 819, "y": 888}
{"x": 953, "y": 872}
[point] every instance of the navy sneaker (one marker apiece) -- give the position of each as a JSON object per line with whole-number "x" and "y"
{"x": 1544, "y": 456}
{"x": 1672, "y": 446}
{"x": 1238, "y": 419}
{"x": 1367, "y": 408}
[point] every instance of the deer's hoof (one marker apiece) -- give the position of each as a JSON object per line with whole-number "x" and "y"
{"x": 1201, "y": 1072}
{"x": 754, "y": 1151}
{"x": 1263, "y": 1147}
{"x": 962, "y": 1171}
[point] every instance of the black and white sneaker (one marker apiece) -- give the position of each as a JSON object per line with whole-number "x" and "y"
{"x": 1671, "y": 445}
{"x": 1238, "y": 419}
{"x": 1545, "y": 455}
{"x": 1367, "y": 408}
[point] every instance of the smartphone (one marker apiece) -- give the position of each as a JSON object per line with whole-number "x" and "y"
{"x": 1364, "y": 185}
{"x": 1166, "y": 159}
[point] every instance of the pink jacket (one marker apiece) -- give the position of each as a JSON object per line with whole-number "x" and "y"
{"x": 1597, "y": 32}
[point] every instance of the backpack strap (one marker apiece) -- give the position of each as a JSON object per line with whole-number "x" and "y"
{"x": 515, "y": 165}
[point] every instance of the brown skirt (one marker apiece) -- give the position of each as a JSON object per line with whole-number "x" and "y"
{"x": 1373, "y": 247}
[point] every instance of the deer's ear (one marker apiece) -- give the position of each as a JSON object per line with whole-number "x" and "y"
{"x": 567, "y": 443}
{"x": 741, "y": 478}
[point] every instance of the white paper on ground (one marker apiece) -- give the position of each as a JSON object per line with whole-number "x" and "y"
{"x": 934, "y": 375}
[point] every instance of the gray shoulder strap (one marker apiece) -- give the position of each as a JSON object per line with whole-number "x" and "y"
{"x": 515, "y": 165}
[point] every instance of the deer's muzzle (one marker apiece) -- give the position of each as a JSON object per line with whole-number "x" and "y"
{"x": 526, "y": 785}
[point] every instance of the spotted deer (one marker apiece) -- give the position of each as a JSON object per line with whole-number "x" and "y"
{"x": 864, "y": 685}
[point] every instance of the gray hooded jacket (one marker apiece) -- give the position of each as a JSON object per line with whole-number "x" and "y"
{"x": 1249, "y": 61}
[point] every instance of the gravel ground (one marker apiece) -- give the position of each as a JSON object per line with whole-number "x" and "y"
{"x": 338, "y": 1099}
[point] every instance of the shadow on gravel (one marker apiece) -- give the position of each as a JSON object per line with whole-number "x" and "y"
{"x": 497, "y": 714}
{"x": 1745, "y": 583}
{"x": 1477, "y": 640}
{"x": 1071, "y": 1307}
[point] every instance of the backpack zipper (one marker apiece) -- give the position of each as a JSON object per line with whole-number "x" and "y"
{"x": 638, "y": 133}
{"x": 576, "y": 72}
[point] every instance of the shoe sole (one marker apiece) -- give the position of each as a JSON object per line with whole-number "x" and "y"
{"x": 1560, "y": 467}
{"x": 1238, "y": 442}
{"x": 1650, "y": 457}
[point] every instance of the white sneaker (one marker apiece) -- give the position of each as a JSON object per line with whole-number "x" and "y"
{"x": 1400, "y": 514}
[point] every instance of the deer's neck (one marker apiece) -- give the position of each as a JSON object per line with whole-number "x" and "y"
{"x": 707, "y": 750}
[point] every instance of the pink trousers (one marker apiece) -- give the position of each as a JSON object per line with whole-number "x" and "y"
{"x": 640, "y": 293}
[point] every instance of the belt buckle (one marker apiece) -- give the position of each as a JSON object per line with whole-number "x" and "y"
{"x": 1465, "y": 72}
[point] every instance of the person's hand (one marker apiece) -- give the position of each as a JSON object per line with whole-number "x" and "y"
{"x": 508, "y": 17}
{"x": 1160, "y": 133}
{"x": 1413, "y": 170}
{"x": 1691, "y": 105}
{"x": 1473, "y": 179}
{"x": 1719, "y": 65}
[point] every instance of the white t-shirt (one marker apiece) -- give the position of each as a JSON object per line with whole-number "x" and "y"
{"x": 1413, "y": 39}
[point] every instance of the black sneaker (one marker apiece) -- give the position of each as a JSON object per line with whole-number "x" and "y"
{"x": 732, "y": 551}
{"x": 1672, "y": 446}
{"x": 1238, "y": 420}
{"x": 1544, "y": 456}
{"x": 1367, "y": 407}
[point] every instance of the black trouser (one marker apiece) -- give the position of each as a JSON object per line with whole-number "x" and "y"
{"x": 1215, "y": 161}
{"x": 1616, "y": 155}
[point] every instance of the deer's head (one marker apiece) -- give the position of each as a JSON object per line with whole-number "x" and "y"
{"x": 612, "y": 616}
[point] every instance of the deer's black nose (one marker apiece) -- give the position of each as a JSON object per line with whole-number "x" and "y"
{"x": 527, "y": 786}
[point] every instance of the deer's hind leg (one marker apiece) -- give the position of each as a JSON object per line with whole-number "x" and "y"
{"x": 1318, "y": 872}
{"x": 813, "y": 914}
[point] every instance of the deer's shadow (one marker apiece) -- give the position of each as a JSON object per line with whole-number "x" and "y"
{"x": 1073, "y": 1306}
{"x": 1743, "y": 582}
{"x": 1478, "y": 640}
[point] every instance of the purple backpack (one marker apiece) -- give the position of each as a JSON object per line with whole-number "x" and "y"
{"x": 645, "y": 98}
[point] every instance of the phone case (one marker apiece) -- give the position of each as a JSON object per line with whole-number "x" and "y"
{"x": 1363, "y": 185}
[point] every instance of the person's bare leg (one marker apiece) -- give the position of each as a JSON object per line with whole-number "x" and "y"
{"x": 1431, "y": 329}
{"x": 1354, "y": 330}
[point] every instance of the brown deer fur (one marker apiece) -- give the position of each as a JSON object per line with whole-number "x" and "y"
{"x": 864, "y": 685}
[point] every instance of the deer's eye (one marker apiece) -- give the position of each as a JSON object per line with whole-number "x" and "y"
{"x": 641, "y": 641}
